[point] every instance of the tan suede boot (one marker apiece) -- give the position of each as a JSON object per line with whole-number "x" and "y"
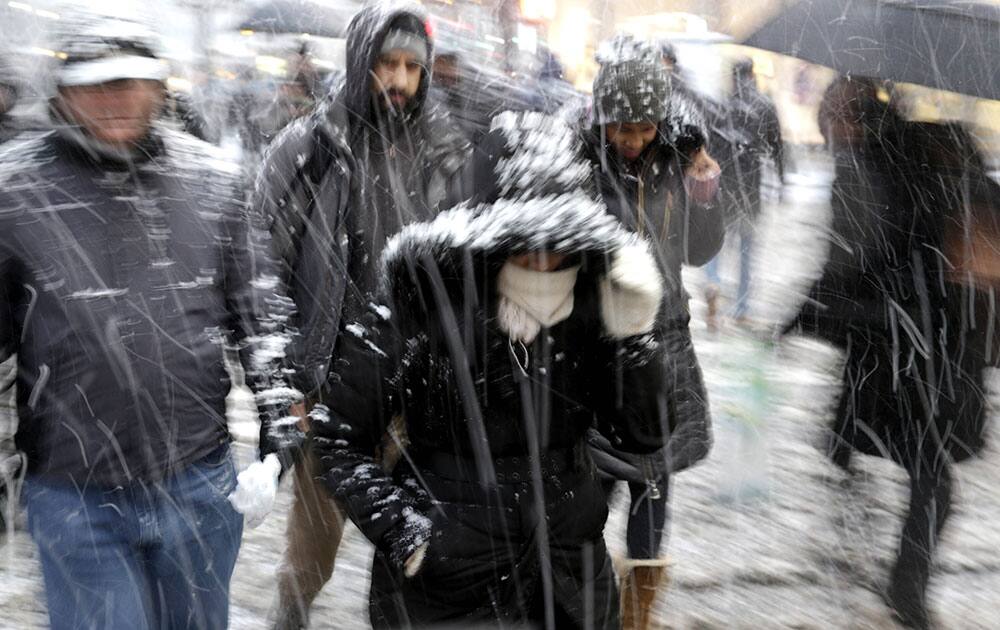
{"x": 640, "y": 583}
{"x": 712, "y": 313}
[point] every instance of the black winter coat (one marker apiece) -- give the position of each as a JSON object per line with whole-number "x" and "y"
{"x": 337, "y": 184}
{"x": 917, "y": 336}
{"x": 649, "y": 198}
{"x": 435, "y": 355}
{"x": 118, "y": 283}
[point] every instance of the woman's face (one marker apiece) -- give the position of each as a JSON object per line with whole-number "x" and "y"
{"x": 629, "y": 140}
{"x": 538, "y": 261}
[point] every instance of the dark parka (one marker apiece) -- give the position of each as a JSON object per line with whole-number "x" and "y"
{"x": 119, "y": 281}
{"x": 748, "y": 130}
{"x": 496, "y": 472}
{"x": 917, "y": 335}
{"x": 649, "y": 198}
{"x": 336, "y": 184}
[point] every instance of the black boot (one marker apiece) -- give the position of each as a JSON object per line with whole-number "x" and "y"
{"x": 930, "y": 504}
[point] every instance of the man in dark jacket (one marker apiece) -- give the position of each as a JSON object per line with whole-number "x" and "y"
{"x": 749, "y": 133}
{"x": 336, "y": 185}
{"x": 506, "y": 329}
{"x": 126, "y": 258}
{"x": 648, "y": 150}
{"x": 898, "y": 294}
{"x": 10, "y": 459}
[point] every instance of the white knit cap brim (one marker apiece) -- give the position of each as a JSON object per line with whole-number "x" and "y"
{"x": 114, "y": 68}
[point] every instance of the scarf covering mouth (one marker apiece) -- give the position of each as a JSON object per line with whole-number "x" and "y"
{"x": 530, "y": 300}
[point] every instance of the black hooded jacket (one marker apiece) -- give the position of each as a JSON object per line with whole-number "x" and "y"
{"x": 337, "y": 184}
{"x": 648, "y": 196}
{"x": 433, "y": 353}
{"x": 119, "y": 281}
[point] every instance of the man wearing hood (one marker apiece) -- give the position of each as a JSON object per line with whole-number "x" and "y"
{"x": 126, "y": 260}
{"x": 336, "y": 185}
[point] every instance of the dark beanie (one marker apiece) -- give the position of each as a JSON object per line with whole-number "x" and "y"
{"x": 407, "y": 32}
{"x": 632, "y": 84}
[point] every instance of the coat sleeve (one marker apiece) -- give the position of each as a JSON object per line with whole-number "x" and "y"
{"x": 700, "y": 231}
{"x": 347, "y": 432}
{"x": 301, "y": 192}
{"x": 633, "y": 412}
{"x": 696, "y": 230}
{"x": 258, "y": 315}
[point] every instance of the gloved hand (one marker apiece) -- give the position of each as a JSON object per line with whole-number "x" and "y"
{"x": 702, "y": 177}
{"x": 256, "y": 488}
{"x": 631, "y": 292}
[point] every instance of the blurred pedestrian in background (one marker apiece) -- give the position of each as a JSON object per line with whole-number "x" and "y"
{"x": 648, "y": 149}
{"x": 125, "y": 255}
{"x": 10, "y": 88}
{"x": 749, "y": 133}
{"x": 903, "y": 294}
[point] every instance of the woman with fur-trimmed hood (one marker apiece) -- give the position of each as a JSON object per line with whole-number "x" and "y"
{"x": 504, "y": 331}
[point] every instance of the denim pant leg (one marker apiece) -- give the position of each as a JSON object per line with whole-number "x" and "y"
{"x": 200, "y": 535}
{"x": 712, "y": 270}
{"x": 91, "y": 560}
{"x": 746, "y": 234}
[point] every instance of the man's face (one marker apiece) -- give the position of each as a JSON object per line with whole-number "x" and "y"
{"x": 396, "y": 78}
{"x": 117, "y": 113}
{"x": 629, "y": 140}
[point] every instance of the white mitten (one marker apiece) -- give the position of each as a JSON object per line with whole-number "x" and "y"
{"x": 631, "y": 292}
{"x": 255, "y": 490}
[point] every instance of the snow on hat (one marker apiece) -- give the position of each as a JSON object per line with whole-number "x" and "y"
{"x": 632, "y": 84}
{"x": 99, "y": 49}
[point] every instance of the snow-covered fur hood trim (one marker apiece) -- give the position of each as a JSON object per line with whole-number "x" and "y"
{"x": 570, "y": 223}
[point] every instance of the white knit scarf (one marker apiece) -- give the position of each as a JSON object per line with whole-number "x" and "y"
{"x": 532, "y": 299}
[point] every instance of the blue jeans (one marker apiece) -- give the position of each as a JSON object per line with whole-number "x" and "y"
{"x": 745, "y": 232}
{"x": 146, "y": 555}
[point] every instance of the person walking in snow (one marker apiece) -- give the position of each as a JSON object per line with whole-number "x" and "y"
{"x": 126, "y": 257}
{"x": 750, "y": 132}
{"x": 335, "y": 186}
{"x": 504, "y": 330}
{"x": 903, "y": 294}
{"x": 647, "y": 146}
